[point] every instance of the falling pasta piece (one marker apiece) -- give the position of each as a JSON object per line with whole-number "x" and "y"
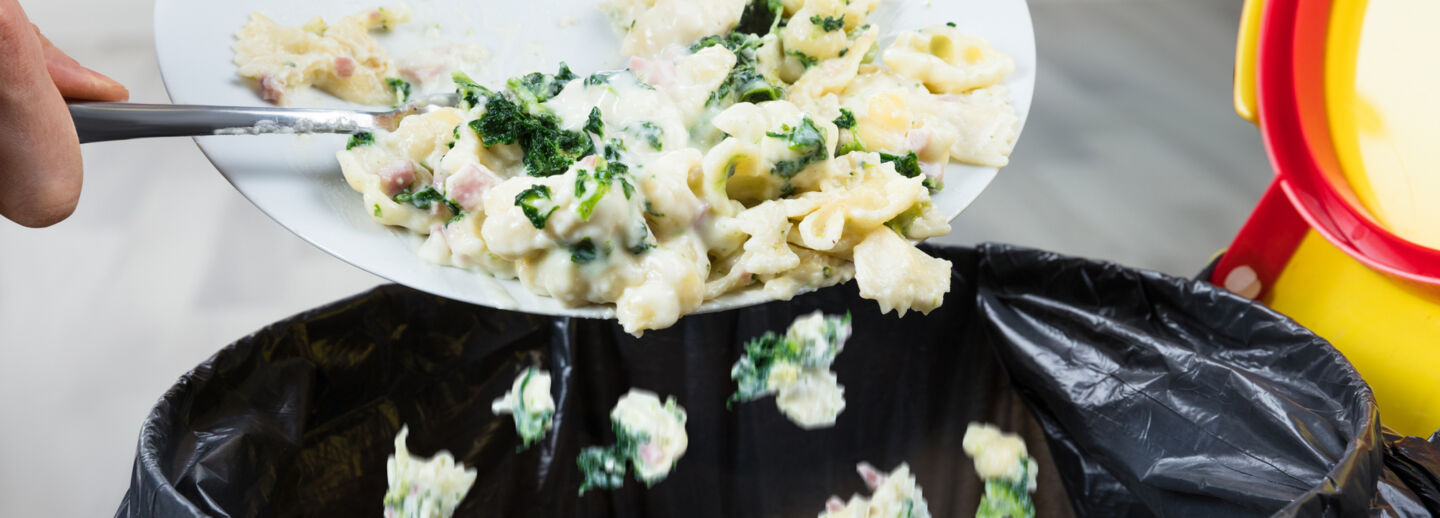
{"x": 424, "y": 488}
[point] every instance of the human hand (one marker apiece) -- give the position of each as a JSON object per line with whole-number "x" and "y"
{"x": 40, "y": 165}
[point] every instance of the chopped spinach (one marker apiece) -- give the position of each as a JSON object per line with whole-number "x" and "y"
{"x": 535, "y": 88}
{"x": 551, "y": 151}
{"x": 828, "y": 23}
{"x": 585, "y": 252}
{"x": 752, "y": 372}
{"x": 363, "y": 138}
{"x": 907, "y": 165}
{"x": 805, "y": 139}
{"x": 595, "y": 124}
{"x": 744, "y": 83}
{"x": 599, "y": 78}
{"x": 605, "y": 467}
{"x": 531, "y": 426}
{"x": 471, "y": 93}
{"x": 401, "y": 88}
{"x": 613, "y": 149}
{"x": 1008, "y": 498}
{"x": 589, "y": 189}
{"x": 640, "y": 248}
{"x": 761, "y": 17}
{"x": 950, "y": 24}
{"x": 805, "y": 59}
{"x": 527, "y": 199}
{"x": 846, "y": 121}
{"x": 601, "y": 468}
{"x": 422, "y": 199}
{"x": 652, "y": 133}
{"x": 651, "y": 210}
{"x": 548, "y": 149}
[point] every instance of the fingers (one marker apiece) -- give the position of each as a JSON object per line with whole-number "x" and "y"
{"x": 40, "y": 169}
{"x": 74, "y": 80}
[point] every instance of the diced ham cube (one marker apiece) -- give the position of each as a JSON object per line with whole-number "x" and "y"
{"x": 272, "y": 89}
{"x": 588, "y": 162}
{"x": 468, "y": 186}
{"x": 396, "y": 177}
{"x": 344, "y": 67}
{"x": 834, "y": 504}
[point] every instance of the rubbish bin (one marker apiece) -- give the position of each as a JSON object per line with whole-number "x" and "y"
{"x": 1149, "y": 394}
{"x": 1347, "y": 239}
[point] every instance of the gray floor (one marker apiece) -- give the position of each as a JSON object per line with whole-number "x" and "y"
{"x": 1132, "y": 153}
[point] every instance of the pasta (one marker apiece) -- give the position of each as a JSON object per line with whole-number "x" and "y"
{"x": 424, "y": 488}
{"x": 947, "y": 61}
{"x": 341, "y": 59}
{"x": 784, "y": 157}
{"x": 529, "y": 401}
{"x": 795, "y": 368}
{"x": 651, "y": 439}
{"x": 894, "y": 494}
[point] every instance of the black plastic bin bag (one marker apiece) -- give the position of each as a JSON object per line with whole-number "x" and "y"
{"x": 1150, "y": 395}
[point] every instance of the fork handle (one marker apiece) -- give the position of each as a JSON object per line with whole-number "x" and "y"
{"x": 100, "y": 122}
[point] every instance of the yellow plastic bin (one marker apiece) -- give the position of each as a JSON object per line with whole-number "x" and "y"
{"x": 1347, "y": 239}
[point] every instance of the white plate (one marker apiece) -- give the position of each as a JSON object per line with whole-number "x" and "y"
{"x": 296, "y": 181}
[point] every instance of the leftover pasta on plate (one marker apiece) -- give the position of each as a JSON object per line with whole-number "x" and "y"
{"x": 765, "y": 145}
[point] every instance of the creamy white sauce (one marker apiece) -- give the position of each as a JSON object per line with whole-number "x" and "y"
{"x": 424, "y": 488}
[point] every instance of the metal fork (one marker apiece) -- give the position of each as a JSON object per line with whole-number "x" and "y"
{"x": 100, "y": 122}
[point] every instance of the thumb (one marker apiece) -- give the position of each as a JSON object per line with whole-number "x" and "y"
{"x": 75, "y": 81}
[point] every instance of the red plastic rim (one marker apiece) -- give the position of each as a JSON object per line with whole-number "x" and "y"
{"x": 1289, "y": 86}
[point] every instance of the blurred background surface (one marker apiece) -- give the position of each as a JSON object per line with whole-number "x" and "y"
{"x": 1132, "y": 153}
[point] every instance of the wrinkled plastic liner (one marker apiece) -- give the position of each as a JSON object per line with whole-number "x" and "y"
{"x": 1149, "y": 394}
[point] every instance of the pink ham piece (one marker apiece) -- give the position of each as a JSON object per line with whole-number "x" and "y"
{"x": 873, "y": 478}
{"x": 272, "y": 89}
{"x": 650, "y": 454}
{"x": 918, "y": 140}
{"x": 422, "y": 74}
{"x": 653, "y": 72}
{"x": 344, "y": 67}
{"x": 834, "y": 504}
{"x": 468, "y": 186}
{"x": 396, "y": 177}
{"x": 933, "y": 170}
